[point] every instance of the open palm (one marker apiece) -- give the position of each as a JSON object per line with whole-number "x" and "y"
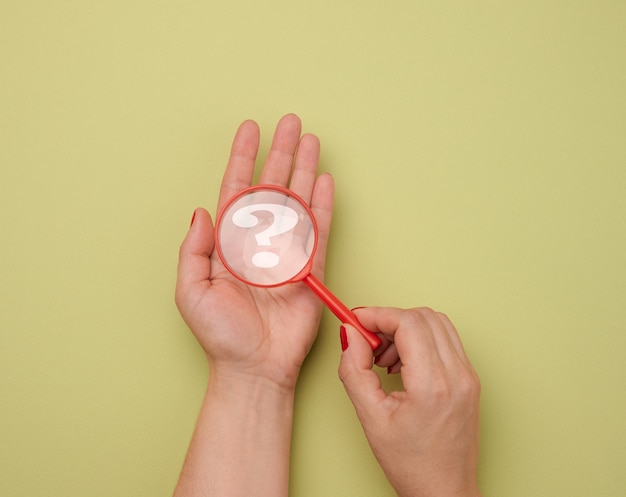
{"x": 247, "y": 330}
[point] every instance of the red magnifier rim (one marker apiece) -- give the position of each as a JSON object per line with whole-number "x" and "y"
{"x": 305, "y": 271}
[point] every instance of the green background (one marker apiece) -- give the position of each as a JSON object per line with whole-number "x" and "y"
{"x": 479, "y": 155}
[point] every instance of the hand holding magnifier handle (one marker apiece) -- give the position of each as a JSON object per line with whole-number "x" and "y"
{"x": 344, "y": 314}
{"x": 267, "y": 236}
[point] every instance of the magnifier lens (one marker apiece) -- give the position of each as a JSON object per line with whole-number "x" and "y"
{"x": 266, "y": 236}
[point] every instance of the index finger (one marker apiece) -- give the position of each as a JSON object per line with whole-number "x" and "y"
{"x": 408, "y": 329}
{"x": 240, "y": 168}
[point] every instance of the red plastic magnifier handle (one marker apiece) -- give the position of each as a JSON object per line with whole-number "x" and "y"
{"x": 340, "y": 310}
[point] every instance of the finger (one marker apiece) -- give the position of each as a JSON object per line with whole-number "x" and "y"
{"x": 280, "y": 159}
{"x": 240, "y": 168}
{"x": 322, "y": 201}
{"x": 455, "y": 340}
{"x": 305, "y": 167}
{"x": 388, "y": 357}
{"x": 362, "y": 385}
{"x": 395, "y": 368}
{"x": 408, "y": 329}
{"x": 441, "y": 336}
{"x": 385, "y": 343}
{"x": 449, "y": 346}
{"x": 194, "y": 264}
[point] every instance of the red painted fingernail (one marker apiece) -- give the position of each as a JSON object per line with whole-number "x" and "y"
{"x": 192, "y": 219}
{"x": 343, "y": 337}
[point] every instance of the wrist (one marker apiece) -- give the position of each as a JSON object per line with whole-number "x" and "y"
{"x": 435, "y": 485}
{"x": 474, "y": 493}
{"x": 265, "y": 374}
{"x": 235, "y": 386}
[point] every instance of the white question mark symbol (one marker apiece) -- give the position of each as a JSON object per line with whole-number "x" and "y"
{"x": 285, "y": 219}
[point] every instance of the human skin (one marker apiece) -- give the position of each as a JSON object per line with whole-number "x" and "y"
{"x": 255, "y": 339}
{"x": 425, "y": 437}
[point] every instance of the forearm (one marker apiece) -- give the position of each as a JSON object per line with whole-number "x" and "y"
{"x": 242, "y": 440}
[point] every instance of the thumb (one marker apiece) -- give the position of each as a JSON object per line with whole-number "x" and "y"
{"x": 194, "y": 264}
{"x": 362, "y": 385}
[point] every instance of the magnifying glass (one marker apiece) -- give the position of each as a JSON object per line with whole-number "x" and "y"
{"x": 266, "y": 236}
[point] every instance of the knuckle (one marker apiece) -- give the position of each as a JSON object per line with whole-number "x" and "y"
{"x": 469, "y": 386}
{"x": 442, "y": 315}
{"x": 414, "y": 316}
{"x": 181, "y": 250}
{"x": 440, "y": 390}
{"x": 178, "y": 298}
{"x": 343, "y": 372}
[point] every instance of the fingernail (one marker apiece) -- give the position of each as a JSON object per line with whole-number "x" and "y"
{"x": 343, "y": 337}
{"x": 389, "y": 369}
{"x": 357, "y": 308}
{"x": 192, "y": 219}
